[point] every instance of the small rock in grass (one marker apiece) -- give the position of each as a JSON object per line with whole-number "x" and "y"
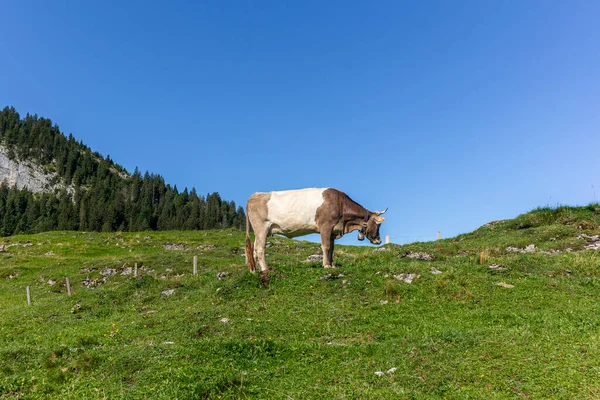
{"x": 222, "y": 275}
{"x": 497, "y": 267}
{"x": 92, "y": 283}
{"x": 380, "y": 373}
{"x": 225, "y": 320}
{"x": 419, "y": 255}
{"x": 551, "y": 252}
{"x": 505, "y": 285}
{"x": 329, "y": 277}
{"x": 168, "y": 292}
{"x": 173, "y": 246}
{"x": 530, "y": 248}
{"x": 589, "y": 238}
{"x": 392, "y": 370}
{"x": 407, "y": 278}
{"x": 435, "y": 271}
{"x": 315, "y": 257}
{"x": 108, "y": 272}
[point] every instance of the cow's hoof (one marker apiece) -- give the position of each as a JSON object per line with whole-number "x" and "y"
{"x": 329, "y": 266}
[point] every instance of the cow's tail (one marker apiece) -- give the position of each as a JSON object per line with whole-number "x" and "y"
{"x": 249, "y": 248}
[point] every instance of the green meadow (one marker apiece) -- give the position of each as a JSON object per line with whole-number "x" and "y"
{"x": 486, "y": 315}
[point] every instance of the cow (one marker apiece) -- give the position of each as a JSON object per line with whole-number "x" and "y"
{"x": 294, "y": 213}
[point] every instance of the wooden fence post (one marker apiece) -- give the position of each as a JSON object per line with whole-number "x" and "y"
{"x": 439, "y": 235}
{"x": 135, "y": 271}
{"x": 28, "y": 296}
{"x": 387, "y": 239}
{"x": 69, "y": 287}
{"x": 195, "y": 265}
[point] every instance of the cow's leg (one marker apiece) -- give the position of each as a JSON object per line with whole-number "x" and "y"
{"x": 260, "y": 244}
{"x": 327, "y": 246}
{"x": 331, "y": 252}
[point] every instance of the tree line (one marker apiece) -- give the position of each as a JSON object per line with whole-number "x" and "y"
{"x": 97, "y": 194}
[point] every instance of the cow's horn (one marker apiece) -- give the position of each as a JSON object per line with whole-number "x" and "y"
{"x": 381, "y": 212}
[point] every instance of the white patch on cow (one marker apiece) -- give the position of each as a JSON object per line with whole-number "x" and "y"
{"x": 292, "y": 212}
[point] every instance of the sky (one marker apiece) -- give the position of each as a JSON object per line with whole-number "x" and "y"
{"x": 452, "y": 114}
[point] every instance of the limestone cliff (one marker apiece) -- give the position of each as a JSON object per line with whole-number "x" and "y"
{"x": 25, "y": 175}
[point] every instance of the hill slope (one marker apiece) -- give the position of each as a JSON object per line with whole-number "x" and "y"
{"x": 479, "y": 320}
{"x": 50, "y": 181}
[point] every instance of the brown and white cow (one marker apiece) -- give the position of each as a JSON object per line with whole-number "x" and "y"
{"x": 295, "y": 213}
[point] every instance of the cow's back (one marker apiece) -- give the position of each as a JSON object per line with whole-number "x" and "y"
{"x": 294, "y": 208}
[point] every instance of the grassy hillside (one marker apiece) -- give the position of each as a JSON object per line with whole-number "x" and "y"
{"x": 497, "y": 322}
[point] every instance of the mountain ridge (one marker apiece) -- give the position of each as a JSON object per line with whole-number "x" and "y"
{"x": 50, "y": 181}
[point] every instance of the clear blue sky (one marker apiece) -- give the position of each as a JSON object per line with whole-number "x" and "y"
{"x": 450, "y": 113}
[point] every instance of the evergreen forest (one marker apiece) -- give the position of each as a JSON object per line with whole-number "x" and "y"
{"x": 95, "y": 194}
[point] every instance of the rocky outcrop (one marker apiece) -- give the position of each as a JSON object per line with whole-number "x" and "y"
{"x": 25, "y": 175}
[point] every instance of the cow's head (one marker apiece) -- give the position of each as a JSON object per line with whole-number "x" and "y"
{"x": 370, "y": 227}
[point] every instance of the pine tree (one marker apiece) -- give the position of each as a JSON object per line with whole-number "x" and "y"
{"x": 104, "y": 197}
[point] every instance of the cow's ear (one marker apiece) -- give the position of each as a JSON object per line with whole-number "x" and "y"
{"x": 379, "y": 219}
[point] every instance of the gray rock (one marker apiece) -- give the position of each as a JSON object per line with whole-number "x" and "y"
{"x": 497, "y": 267}
{"x": 315, "y": 257}
{"x": 108, "y": 272}
{"x": 593, "y": 246}
{"x": 408, "y": 278}
{"x": 330, "y": 277}
{"x": 172, "y": 246}
{"x": 222, "y": 275}
{"x": 419, "y": 255}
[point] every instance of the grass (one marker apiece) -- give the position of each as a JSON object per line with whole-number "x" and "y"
{"x": 453, "y": 335}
